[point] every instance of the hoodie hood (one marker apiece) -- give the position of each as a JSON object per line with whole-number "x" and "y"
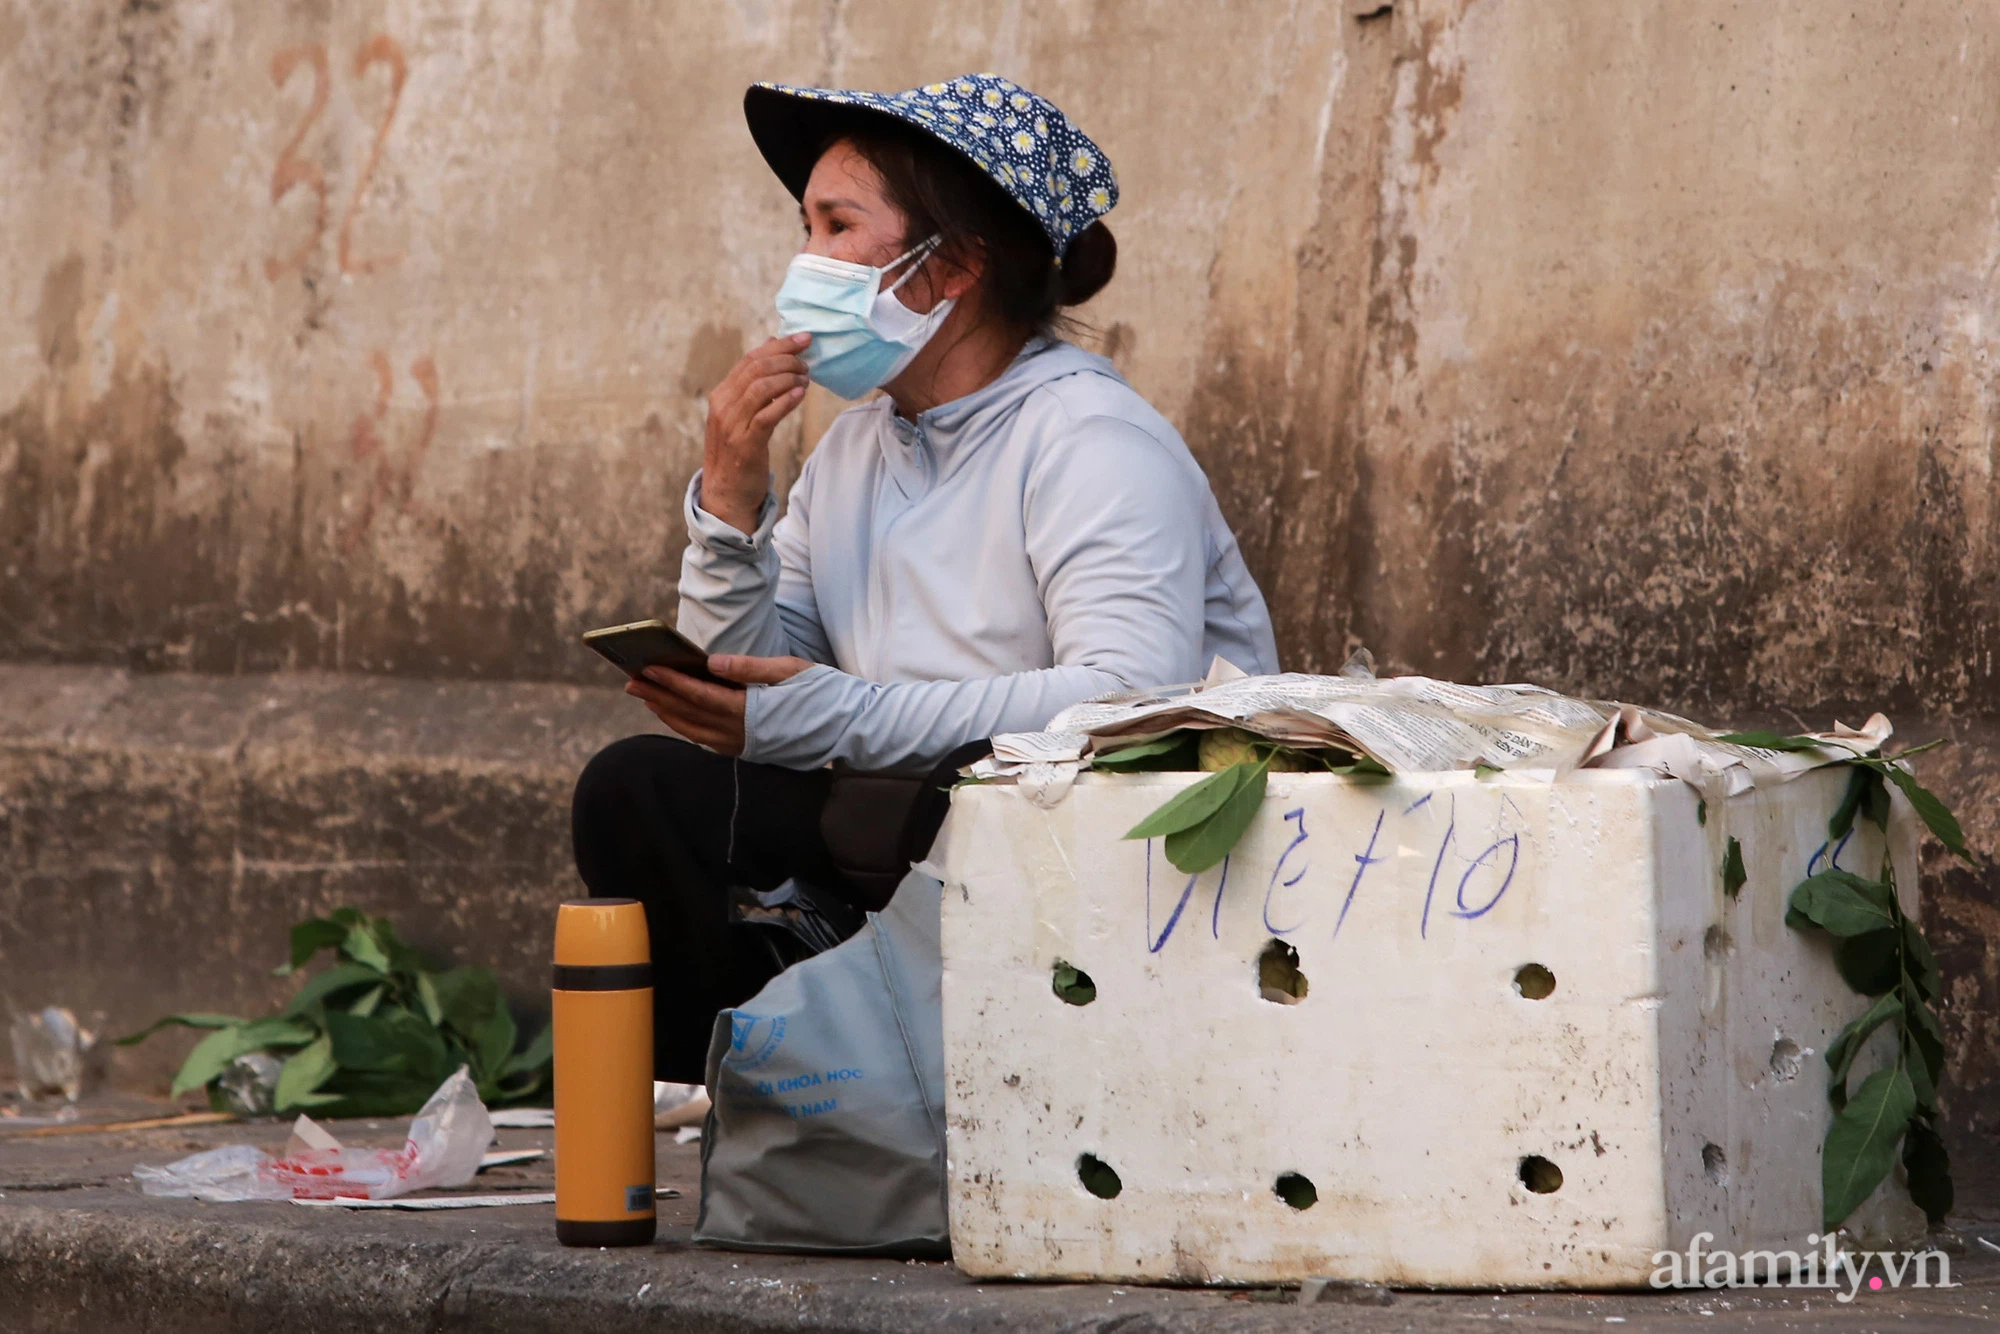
{"x": 950, "y": 431}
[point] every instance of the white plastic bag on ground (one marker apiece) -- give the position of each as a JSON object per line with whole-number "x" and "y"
{"x": 444, "y": 1147}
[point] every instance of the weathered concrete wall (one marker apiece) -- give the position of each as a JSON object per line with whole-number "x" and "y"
{"x": 1641, "y": 349}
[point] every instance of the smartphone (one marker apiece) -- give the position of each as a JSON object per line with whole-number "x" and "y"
{"x": 642, "y": 644}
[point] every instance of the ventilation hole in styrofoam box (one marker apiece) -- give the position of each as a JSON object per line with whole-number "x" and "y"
{"x": 1098, "y": 1177}
{"x": 1534, "y": 981}
{"x": 1296, "y": 1190}
{"x": 1278, "y": 975}
{"x": 1072, "y": 984}
{"x": 1714, "y": 953}
{"x": 1785, "y": 1060}
{"x": 1540, "y": 1175}
{"x": 1715, "y": 1164}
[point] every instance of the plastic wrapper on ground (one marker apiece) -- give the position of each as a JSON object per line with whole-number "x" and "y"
{"x": 446, "y": 1142}
{"x": 48, "y": 1053}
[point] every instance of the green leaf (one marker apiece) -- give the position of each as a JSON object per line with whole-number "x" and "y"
{"x": 492, "y": 1045}
{"x": 1921, "y": 963}
{"x": 1733, "y": 874}
{"x": 371, "y": 1000}
{"x": 191, "y": 1020}
{"x": 1926, "y": 1040}
{"x": 1929, "y": 1170}
{"x": 376, "y": 1093}
{"x": 1361, "y": 766}
{"x": 210, "y": 1057}
{"x": 309, "y": 938}
{"x": 1194, "y": 803}
{"x": 276, "y": 1031}
{"x": 1927, "y": 1029}
{"x": 467, "y": 998}
{"x": 1921, "y": 1083}
{"x": 390, "y": 1040}
{"x": 1847, "y": 1044}
{"x": 402, "y": 959}
{"x": 1483, "y": 771}
{"x": 1196, "y": 849}
{"x": 1772, "y": 741}
{"x": 1871, "y": 963}
{"x": 1842, "y": 903}
{"x": 361, "y": 946}
{"x": 303, "y": 1073}
{"x": 1934, "y": 813}
{"x": 329, "y": 982}
{"x": 427, "y": 996}
{"x": 1861, "y": 1144}
{"x": 1878, "y": 804}
{"x": 533, "y": 1056}
{"x": 1860, "y": 781}
{"x": 1176, "y": 750}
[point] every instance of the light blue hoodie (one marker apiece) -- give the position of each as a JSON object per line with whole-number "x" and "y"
{"x": 1044, "y": 540}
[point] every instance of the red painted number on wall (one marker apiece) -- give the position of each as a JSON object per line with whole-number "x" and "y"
{"x": 293, "y": 170}
{"x": 393, "y": 477}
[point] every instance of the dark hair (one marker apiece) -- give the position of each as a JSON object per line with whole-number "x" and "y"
{"x": 944, "y": 193}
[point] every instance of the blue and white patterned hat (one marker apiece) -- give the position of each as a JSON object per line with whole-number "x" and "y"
{"x": 1021, "y": 140}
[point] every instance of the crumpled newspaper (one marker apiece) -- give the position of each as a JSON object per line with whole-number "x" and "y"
{"x": 444, "y": 1147}
{"x": 1674, "y": 747}
{"x": 1407, "y": 724}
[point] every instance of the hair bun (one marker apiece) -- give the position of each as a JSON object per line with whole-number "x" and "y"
{"x": 1088, "y": 264}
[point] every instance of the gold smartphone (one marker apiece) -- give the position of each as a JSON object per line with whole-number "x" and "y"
{"x": 642, "y": 644}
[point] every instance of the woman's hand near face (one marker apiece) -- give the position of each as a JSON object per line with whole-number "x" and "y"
{"x": 757, "y": 394}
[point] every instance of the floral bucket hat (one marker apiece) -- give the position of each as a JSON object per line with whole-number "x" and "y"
{"x": 1021, "y": 140}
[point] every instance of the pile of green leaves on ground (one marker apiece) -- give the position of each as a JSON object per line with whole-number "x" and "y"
{"x": 374, "y": 1033}
{"x": 1882, "y": 954}
{"x": 1200, "y": 824}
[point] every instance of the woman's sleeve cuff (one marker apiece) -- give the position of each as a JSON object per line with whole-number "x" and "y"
{"x": 713, "y": 534}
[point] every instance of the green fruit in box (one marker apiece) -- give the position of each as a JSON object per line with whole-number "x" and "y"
{"x": 1225, "y": 746}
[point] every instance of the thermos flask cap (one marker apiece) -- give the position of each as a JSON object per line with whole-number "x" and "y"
{"x": 594, "y": 933}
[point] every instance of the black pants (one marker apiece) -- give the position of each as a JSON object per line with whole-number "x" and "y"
{"x": 675, "y": 826}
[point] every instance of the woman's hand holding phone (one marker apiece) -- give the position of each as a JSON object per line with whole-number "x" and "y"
{"x": 710, "y": 715}
{"x": 757, "y": 394}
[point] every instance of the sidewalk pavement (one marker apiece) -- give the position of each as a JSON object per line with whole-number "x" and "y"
{"x": 81, "y": 1250}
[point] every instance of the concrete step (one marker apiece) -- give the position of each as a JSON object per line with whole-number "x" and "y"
{"x": 159, "y": 834}
{"x": 83, "y": 1252}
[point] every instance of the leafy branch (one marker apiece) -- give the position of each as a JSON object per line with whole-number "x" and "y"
{"x": 375, "y": 1033}
{"x": 1865, "y": 785}
{"x": 1881, "y": 953}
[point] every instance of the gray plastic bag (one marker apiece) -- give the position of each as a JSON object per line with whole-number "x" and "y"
{"x": 827, "y": 1129}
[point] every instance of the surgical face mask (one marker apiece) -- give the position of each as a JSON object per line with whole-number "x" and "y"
{"x": 863, "y": 335}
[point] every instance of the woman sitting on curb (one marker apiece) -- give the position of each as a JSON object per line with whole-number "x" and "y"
{"x": 1007, "y": 530}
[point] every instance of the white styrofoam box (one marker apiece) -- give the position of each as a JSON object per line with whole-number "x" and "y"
{"x": 1674, "y": 1076}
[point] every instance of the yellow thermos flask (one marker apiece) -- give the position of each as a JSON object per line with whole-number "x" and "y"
{"x": 603, "y": 1021}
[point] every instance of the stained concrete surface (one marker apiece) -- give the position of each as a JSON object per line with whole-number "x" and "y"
{"x": 1641, "y": 350}
{"x": 1637, "y": 348}
{"x": 82, "y": 1250}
